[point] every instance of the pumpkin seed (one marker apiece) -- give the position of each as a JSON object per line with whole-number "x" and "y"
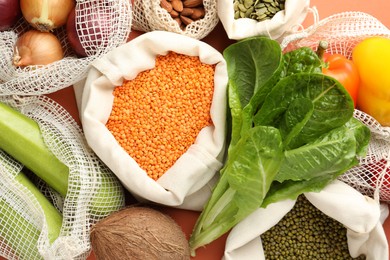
{"x": 257, "y": 9}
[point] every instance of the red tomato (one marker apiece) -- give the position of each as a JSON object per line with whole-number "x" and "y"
{"x": 343, "y": 70}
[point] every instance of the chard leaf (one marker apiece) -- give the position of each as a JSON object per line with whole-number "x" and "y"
{"x": 244, "y": 182}
{"x": 254, "y": 65}
{"x": 330, "y": 155}
{"x": 292, "y": 189}
{"x": 303, "y": 59}
{"x": 295, "y": 118}
{"x": 332, "y": 104}
{"x": 362, "y": 135}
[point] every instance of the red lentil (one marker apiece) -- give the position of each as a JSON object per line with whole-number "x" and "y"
{"x": 157, "y": 116}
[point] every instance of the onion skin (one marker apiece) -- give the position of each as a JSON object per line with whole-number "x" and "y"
{"x": 46, "y": 15}
{"x": 10, "y": 13}
{"x": 37, "y": 48}
{"x": 71, "y": 32}
{"x": 94, "y": 27}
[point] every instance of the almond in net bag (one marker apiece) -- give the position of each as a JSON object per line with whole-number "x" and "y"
{"x": 93, "y": 191}
{"x": 101, "y": 26}
{"x": 246, "y": 18}
{"x": 149, "y": 15}
{"x": 186, "y": 183}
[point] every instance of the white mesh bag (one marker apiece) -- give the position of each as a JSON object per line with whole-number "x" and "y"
{"x": 32, "y": 80}
{"x": 186, "y": 184}
{"x": 284, "y": 22}
{"x": 88, "y": 176}
{"x": 148, "y": 16}
{"x": 343, "y": 31}
{"x": 361, "y": 215}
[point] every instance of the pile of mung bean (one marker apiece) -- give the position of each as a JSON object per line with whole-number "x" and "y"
{"x": 306, "y": 233}
{"x": 259, "y": 10}
{"x": 157, "y": 116}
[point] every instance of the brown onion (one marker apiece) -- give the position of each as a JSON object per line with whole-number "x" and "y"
{"x": 93, "y": 29}
{"x": 9, "y": 14}
{"x": 46, "y": 15}
{"x": 37, "y": 48}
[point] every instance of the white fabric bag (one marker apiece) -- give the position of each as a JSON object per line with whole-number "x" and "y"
{"x": 361, "y": 215}
{"x": 188, "y": 183}
{"x": 282, "y": 23}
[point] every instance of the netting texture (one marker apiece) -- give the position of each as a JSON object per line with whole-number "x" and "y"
{"x": 88, "y": 177}
{"x": 343, "y": 31}
{"x": 148, "y": 16}
{"x": 96, "y": 37}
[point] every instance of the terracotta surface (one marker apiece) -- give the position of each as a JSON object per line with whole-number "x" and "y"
{"x": 377, "y": 8}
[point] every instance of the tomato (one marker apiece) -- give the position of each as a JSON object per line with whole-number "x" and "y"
{"x": 372, "y": 58}
{"x": 343, "y": 70}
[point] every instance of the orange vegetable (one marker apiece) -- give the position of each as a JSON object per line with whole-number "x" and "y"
{"x": 157, "y": 116}
{"x": 344, "y": 70}
{"x": 372, "y": 58}
{"x": 340, "y": 68}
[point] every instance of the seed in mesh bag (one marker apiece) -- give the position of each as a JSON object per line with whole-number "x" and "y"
{"x": 187, "y": 11}
{"x": 259, "y": 10}
{"x": 306, "y": 233}
{"x": 157, "y": 116}
{"x": 139, "y": 232}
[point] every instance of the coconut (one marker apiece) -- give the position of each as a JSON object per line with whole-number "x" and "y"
{"x": 139, "y": 232}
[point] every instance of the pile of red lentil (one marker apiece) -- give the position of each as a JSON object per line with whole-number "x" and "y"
{"x": 157, "y": 116}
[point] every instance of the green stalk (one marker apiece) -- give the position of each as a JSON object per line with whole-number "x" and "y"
{"x": 20, "y": 234}
{"x": 22, "y": 139}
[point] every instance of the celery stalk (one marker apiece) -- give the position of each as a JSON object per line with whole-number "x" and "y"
{"x": 21, "y": 235}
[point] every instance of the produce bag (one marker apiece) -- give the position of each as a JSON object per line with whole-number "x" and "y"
{"x": 282, "y": 23}
{"x": 343, "y": 31}
{"x": 361, "y": 215}
{"x": 93, "y": 190}
{"x": 113, "y": 30}
{"x": 149, "y": 15}
{"x": 188, "y": 182}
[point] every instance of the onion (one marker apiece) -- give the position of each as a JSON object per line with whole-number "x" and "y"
{"x": 46, "y": 15}
{"x": 9, "y": 14}
{"x": 37, "y": 48}
{"x": 90, "y": 32}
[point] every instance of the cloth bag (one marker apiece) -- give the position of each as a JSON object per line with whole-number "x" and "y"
{"x": 282, "y": 23}
{"x": 148, "y": 16}
{"x": 361, "y": 215}
{"x": 187, "y": 184}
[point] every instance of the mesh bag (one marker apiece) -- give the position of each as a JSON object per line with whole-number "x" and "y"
{"x": 33, "y": 80}
{"x": 343, "y": 31}
{"x": 88, "y": 176}
{"x": 148, "y": 16}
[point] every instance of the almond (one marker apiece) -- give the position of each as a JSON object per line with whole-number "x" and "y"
{"x": 177, "y": 5}
{"x": 186, "y": 20}
{"x": 174, "y": 14}
{"x": 187, "y": 11}
{"x": 166, "y": 5}
{"x": 198, "y": 13}
{"x": 192, "y": 3}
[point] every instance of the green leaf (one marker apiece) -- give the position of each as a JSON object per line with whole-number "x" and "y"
{"x": 330, "y": 155}
{"x": 303, "y": 59}
{"x": 333, "y": 106}
{"x": 244, "y": 183}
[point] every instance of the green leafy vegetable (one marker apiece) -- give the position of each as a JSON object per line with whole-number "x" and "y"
{"x": 292, "y": 131}
{"x": 244, "y": 183}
